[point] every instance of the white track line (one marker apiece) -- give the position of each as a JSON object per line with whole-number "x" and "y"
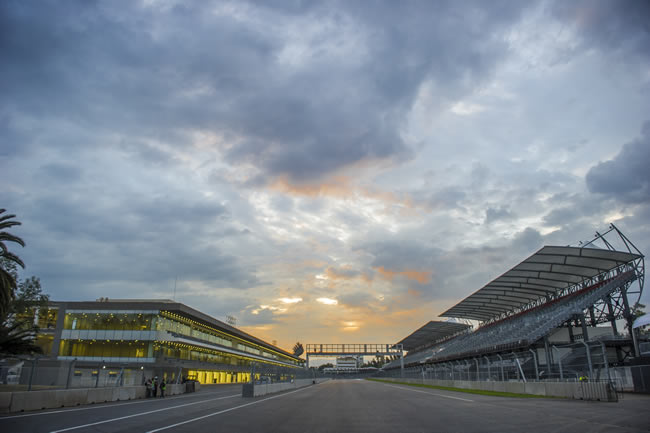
{"x": 424, "y": 392}
{"x": 143, "y": 413}
{"x": 228, "y": 410}
{"x": 107, "y": 405}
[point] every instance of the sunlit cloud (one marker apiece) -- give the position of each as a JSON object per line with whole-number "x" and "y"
{"x": 350, "y": 326}
{"x": 466, "y": 108}
{"x": 268, "y": 307}
{"x": 422, "y": 277}
{"x": 290, "y": 300}
{"x": 327, "y": 301}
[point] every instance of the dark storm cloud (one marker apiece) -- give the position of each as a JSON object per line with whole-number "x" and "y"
{"x": 455, "y": 272}
{"x": 493, "y": 214}
{"x": 75, "y": 243}
{"x": 399, "y": 255}
{"x": 155, "y": 72}
{"x": 612, "y": 25}
{"x": 60, "y": 172}
{"x": 627, "y": 176}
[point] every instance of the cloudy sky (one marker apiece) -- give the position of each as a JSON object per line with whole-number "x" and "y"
{"x": 323, "y": 171}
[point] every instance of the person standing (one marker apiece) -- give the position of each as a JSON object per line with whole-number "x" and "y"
{"x": 147, "y": 384}
{"x": 154, "y": 386}
{"x": 163, "y": 385}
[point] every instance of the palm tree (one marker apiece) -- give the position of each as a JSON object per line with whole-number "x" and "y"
{"x": 8, "y": 279}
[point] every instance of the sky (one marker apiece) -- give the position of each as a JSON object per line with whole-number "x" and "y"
{"x": 326, "y": 172}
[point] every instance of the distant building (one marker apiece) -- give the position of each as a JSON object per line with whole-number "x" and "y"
{"x": 348, "y": 362}
{"x": 143, "y": 338}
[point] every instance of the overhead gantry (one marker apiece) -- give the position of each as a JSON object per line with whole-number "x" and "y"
{"x": 327, "y": 350}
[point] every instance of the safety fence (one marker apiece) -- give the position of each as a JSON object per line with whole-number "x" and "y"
{"x": 35, "y": 374}
{"x": 595, "y": 391}
{"x": 556, "y": 362}
{"x": 578, "y": 362}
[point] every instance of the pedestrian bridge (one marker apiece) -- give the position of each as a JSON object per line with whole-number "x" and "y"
{"x": 360, "y": 349}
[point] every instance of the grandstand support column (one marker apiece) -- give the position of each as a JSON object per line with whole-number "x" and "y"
{"x": 401, "y": 364}
{"x": 591, "y": 367}
{"x": 559, "y": 362}
{"x": 533, "y": 352}
{"x": 488, "y": 365}
{"x": 478, "y": 370}
{"x": 469, "y": 366}
{"x": 569, "y": 324}
{"x": 605, "y": 360}
{"x": 548, "y": 355}
{"x": 612, "y": 319}
{"x": 503, "y": 377}
{"x": 583, "y": 324}
{"x": 629, "y": 319}
{"x": 611, "y": 316}
{"x": 592, "y": 316}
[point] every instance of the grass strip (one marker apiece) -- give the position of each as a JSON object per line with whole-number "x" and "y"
{"x": 467, "y": 391}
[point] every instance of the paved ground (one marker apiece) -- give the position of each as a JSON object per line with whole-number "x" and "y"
{"x": 342, "y": 406}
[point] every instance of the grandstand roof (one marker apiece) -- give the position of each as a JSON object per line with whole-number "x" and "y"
{"x": 430, "y": 333}
{"x": 548, "y": 271}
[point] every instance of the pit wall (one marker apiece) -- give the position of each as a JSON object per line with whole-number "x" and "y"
{"x": 598, "y": 391}
{"x": 21, "y": 401}
{"x": 270, "y": 388}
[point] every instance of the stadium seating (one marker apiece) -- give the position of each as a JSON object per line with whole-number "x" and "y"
{"x": 520, "y": 330}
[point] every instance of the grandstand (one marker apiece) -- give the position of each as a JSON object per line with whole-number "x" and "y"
{"x": 538, "y": 316}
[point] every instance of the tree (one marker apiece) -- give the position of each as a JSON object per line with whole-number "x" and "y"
{"x": 298, "y": 349}
{"x": 636, "y": 311}
{"x": 18, "y": 299}
{"x": 9, "y": 259}
{"x": 17, "y": 327}
{"x": 324, "y": 366}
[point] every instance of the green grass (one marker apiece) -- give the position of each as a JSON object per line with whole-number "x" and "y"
{"x": 467, "y": 391}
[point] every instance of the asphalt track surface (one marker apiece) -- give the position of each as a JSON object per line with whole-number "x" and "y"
{"x": 341, "y": 406}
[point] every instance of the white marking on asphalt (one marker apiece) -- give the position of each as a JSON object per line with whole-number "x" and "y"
{"x": 143, "y": 413}
{"x": 430, "y": 393}
{"x": 228, "y": 410}
{"x": 104, "y": 406}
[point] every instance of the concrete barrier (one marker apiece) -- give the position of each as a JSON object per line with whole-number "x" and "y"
{"x": 72, "y": 397}
{"x": 596, "y": 391}
{"x": 20, "y": 401}
{"x": 174, "y": 389}
{"x": 270, "y": 388}
{"x": 99, "y": 395}
{"x": 34, "y": 400}
{"x": 5, "y": 401}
